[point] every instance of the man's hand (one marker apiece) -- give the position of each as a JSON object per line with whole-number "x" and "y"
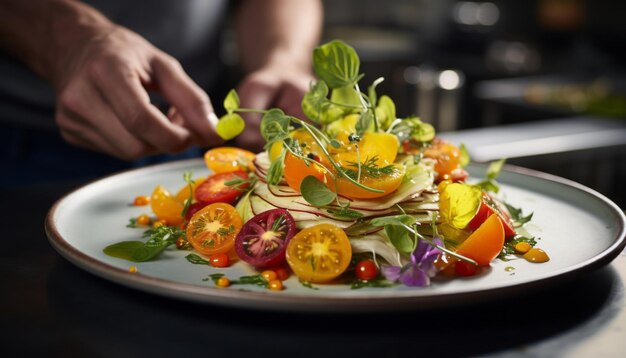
{"x": 276, "y": 86}
{"x": 102, "y": 73}
{"x": 103, "y": 102}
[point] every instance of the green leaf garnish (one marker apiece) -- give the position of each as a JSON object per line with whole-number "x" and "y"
{"x": 345, "y": 212}
{"x": 337, "y": 64}
{"x": 385, "y": 112}
{"x": 230, "y": 126}
{"x": 275, "y": 171}
{"x": 197, "y": 260}
{"x": 315, "y": 192}
{"x": 465, "y": 157}
{"x": 518, "y": 217}
{"x": 159, "y": 239}
{"x": 231, "y": 102}
{"x": 509, "y": 247}
{"x": 274, "y": 126}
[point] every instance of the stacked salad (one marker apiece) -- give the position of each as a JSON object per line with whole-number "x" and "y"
{"x": 351, "y": 192}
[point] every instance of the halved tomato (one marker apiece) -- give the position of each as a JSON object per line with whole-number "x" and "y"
{"x": 387, "y": 181}
{"x": 229, "y": 159}
{"x": 296, "y": 169}
{"x": 484, "y": 244}
{"x": 263, "y": 240}
{"x": 319, "y": 253}
{"x": 213, "y": 229}
{"x": 488, "y": 207}
{"x": 166, "y": 207}
{"x": 447, "y": 156}
{"x": 215, "y": 190}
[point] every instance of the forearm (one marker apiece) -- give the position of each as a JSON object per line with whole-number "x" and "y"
{"x": 40, "y": 32}
{"x": 278, "y": 32}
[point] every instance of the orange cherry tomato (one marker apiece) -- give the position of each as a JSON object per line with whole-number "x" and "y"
{"x": 388, "y": 183}
{"x": 229, "y": 159}
{"x": 484, "y": 244}
{"x": 448, "y": 158}
{"x": 166, "y": 207}
{"x": 297, "y": 169}
{"x": 213, "y": 229}
{"x": 319, "y": 253}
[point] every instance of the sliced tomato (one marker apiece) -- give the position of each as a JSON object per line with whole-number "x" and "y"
{"x": 296, "y": 169}
{"x": 319, "y": 253}
{"x": 484, "y": 244}
{"x": 386, "y": 182}
{"x": 166, "y": 207}
{"x": 447, "y": 156}
{"x": 488, "y": 207}
{"x": 263, "y": 239}
{"x": 213, "y": 229}
{"x": 215, "y": 190}
{"x": 229, "y": 159}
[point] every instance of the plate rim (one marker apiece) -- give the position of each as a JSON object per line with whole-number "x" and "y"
{"x": 319, "y": 303}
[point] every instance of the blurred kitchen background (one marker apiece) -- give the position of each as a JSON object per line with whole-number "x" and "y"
{"x": 540, "y": 82}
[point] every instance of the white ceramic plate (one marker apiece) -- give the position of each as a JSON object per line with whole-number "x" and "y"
{"x": 579, "y": 228}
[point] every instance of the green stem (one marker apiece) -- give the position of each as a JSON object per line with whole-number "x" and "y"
{"x": 251, "y": 110}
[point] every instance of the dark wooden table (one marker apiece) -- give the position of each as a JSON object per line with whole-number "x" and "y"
{"x": 49, "y": 307}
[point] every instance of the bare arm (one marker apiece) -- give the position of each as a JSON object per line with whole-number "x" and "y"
{"x": 276, "y": 39}
{"x": 101, "y": 72}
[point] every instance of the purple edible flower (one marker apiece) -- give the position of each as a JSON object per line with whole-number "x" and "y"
{"x": 421, "y": 268}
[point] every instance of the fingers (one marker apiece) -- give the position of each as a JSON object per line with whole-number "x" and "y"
{"x": 86, "y": 120}
{"x": 190, "y": 100}
{"x": 123, "y": 91}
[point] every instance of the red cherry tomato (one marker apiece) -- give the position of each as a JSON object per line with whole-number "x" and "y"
{"x": 488, "y": 207}
{"x": 215, "y": 190}
{"x": 263, "y": 239}
{"x": 366, "y": 270}
{"x": 220, "y": 260}
{"x": 464, "y": 268}
{"x": 193, "y": 208}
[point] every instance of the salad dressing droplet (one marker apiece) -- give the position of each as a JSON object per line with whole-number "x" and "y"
{"x": 536, "y": 255}
{"x": 509, "y": 269}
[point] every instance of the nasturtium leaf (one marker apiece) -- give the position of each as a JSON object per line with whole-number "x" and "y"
{"x": 231, "y": 102}
{"x": 315, "y": 192}
{"x": 459, "y": 203}
{"x": 400, "y": 238}
{"x": 317, "y": 107}
{"x": 230, "y": 126}
{"x": 393, "y": 220}
{"x": 385, "y": 112}
{"x": 337, "y": 64}
{"x": 274, "y": 125}
{"x": 347, "y": 96}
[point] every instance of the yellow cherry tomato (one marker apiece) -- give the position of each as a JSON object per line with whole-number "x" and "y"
{"x": 229, "y": 159}
{"x": 166, "y": 207}
{"x": 319, "y": 253}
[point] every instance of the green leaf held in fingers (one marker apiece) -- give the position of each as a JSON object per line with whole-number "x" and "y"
{"x": 231, "y": 102}
{"x": 230, "y": 126}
